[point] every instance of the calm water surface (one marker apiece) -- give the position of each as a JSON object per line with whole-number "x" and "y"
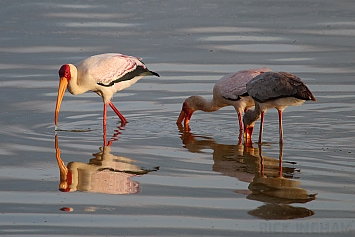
{"x": 158, "y": 179}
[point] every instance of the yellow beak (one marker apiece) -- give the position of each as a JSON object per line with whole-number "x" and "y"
{"x": 185, "y": 114}
{"x": 182, "y": 117}
{"x": 248, "y": 131}
{"x": 63, "y": 83}
{"x": 63, "y": 169}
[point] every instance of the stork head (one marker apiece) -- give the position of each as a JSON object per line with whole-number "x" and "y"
{"x": 188, "y": 108}
{"x": 65, "y": 75}
{"x": 64, "y": 186}
{"x": 249, "y": 122}
{"x": 248, "y": 132}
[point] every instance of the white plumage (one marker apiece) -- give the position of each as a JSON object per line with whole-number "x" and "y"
{"x": 104, "y": 74}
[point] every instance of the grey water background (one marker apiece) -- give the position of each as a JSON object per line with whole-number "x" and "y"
{"x": 203, "y": 185}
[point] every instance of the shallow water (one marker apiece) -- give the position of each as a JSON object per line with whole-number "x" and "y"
{"x": 158, "y": 179}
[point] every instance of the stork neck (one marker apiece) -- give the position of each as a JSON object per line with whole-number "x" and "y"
{"x": 206, "y": 105}
{"x": 251, "y": 116}
{"x": 74, "y": 87}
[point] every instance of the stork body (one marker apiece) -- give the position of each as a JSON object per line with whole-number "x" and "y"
{"x": 104, "y": 74}
{"x": 230, "y": 90}
{"x": 273, "y": 90}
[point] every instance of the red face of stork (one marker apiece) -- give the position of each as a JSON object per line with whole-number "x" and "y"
{"x": 248, "y": 132}
{"x": 185, "y": 114}
{"x": 65, "y": 76}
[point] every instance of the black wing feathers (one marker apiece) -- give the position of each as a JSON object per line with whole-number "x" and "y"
{"x": 274, "y": 85}
{"x": 237, "y": 97}
{"x": 139, "y": 71}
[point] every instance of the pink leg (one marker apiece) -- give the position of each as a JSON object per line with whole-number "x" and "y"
{"x": 240, "y": 137}
{"x": 105, "y": 139}
{"x": 104, "y": 115}
{"x": 123, "y": 119}
{"x": 280, "y": 127}
{"x": 240, "y": 121}
{"x": 104, "y": 122}
{"x": 280, "y": 160}
{"x": 114, "y": 137}
{"x": 261, "y": 126}
{"x": 262, "y": 164}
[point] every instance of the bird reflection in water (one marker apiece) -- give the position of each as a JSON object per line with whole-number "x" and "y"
{"x": 274, "y": 185}
{"x": 105, "y": 173}
{"x": 269, "y": 182}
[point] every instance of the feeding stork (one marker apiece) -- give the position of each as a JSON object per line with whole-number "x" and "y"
{"x": 273, "y": 90}
{"x": 230, "y": 90}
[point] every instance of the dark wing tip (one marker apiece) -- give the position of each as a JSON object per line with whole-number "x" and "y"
{"x": 138, "y": 71}
{"x": 274, "y": 85}
{"x": 154, "y": 73}
{"x": 106, "y": 85}
{"x": 231, "y": 99}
